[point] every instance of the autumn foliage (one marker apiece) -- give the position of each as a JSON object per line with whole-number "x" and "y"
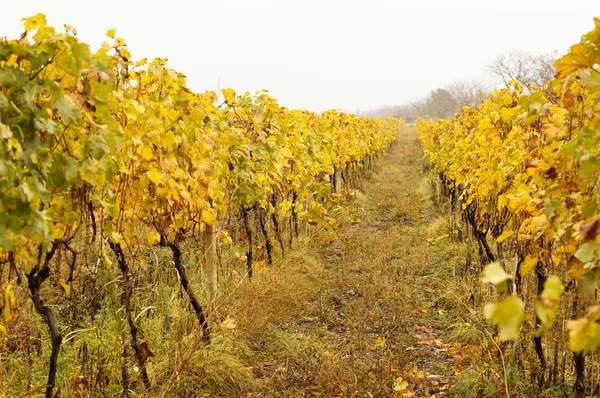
{"x": 524, "y": 168}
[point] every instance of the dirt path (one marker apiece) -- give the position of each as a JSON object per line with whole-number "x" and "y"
{"x": 374, "y": 320}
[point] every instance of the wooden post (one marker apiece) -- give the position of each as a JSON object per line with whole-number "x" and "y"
{"x": 304, "y": 224}
{"x": 337, "y": 180}
{"x": 210, "y": 265}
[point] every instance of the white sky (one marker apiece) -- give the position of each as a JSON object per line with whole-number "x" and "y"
{"x": 311, "y": 54}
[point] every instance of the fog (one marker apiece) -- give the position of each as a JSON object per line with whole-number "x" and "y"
{"x": 351, "y": 55}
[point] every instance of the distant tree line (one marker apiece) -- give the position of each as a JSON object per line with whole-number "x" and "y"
{"x": 447, "y": 101}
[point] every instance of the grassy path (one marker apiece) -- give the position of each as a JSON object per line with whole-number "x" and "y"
{"x": 367, "y": 315}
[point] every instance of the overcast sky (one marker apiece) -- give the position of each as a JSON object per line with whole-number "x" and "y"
{"x": 321, "y": 54}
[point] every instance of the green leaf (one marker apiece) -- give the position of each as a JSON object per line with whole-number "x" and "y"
{"x": 589, "y": 283}
{"x": 551, "y": 205}
{"x": 4, "y": 50}
{"x": 45, "y": 125}
{"x": 13, "y": 77}
{"x": 27, "y": 194}
{"x": 71, "y": 170}
{"x": 494, "y": 273}
{"x": 67, "y": 110}
{"x": 589, "y": 209}
{"x": 587, "y": 252}
{"x": 3, "y": 103}
{"x": 508, "y": 315}
{"x": 589, "y": 166}
{"x": 96, "y": 146}
{"x": 64, "y": 171}
{"x": 111, "y": 208}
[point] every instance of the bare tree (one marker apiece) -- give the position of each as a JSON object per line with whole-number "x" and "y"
{"x": 439, "y": 103}
{"x": 444, "y": 102}
{"x": 543, "y": 65}
{"x": 524, "y": 67}
{"x": 469, "y": 93}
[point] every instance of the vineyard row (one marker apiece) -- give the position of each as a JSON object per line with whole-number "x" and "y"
{"x": 101, "y": 154}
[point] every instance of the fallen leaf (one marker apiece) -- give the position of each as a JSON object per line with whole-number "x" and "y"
{"x": 228, "y": 323}
{"x": 379, "y": 341}
{"x": 145, "y": 350}
{"x": 302, "y": 268}
{"x": 458, "y": 369}
{"x": 400, "y": 384}
{"x": 65, "y": 286}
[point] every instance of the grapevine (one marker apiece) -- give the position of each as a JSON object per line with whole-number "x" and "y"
{"x": 524, "y": 168}
{"x": 104, "y": 157}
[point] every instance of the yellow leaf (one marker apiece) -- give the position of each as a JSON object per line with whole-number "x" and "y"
{"x": 505, "y": 235}
{"x": 116, "y": 237}
{"x": 65, "y": 286}
{"x": 147, "y": 153}
{"x": 209, "y": 217}
{"x": 154, "y": 176}
{"x": 379, "y": 341}
{"x": 228, "y": 323}
{"x": 298, "y": 207}
{"x": 153, "y": 238}
{"x": 126, "y": 54}
{"x": 111, "y": 33}
{"x": 3, "y": 330}
{"x": 259, "y": 265}
{"x": 10, "y": 303}
{"x": 285, "y": 207}
{"x": 528, "y": 265}
{"x": 583, "y": 335}
{"x": 553, "y": 291}
{"x": 106, "y": 259}
{"x": 400, "y": 384}
{"x": 12, "y": 61}
{"x": 508, "y": 315}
